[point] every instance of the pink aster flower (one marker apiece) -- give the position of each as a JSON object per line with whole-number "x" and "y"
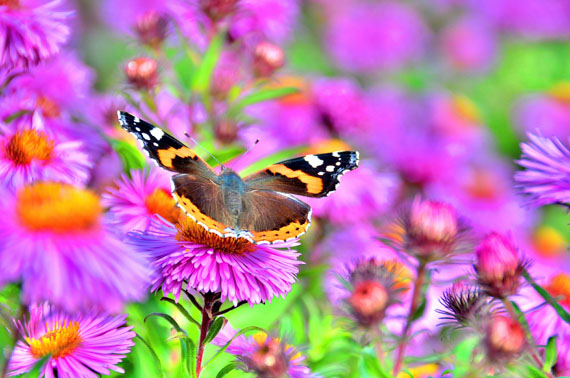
{"x": 186, "y": 255}
{"x": 134, "y": 201}
{"x": 31, "y": 31}
{"x": 55, "y": 242}
{"x": 562, "y": 367}
{"x": 264, "y": 355}
{"x": 80, "y": 345}
{"x": 29, "y": 151}
{"x": 547, "y": 176}
{"x": 369, "y": 36}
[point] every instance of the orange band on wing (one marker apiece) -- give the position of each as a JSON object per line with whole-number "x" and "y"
{"x": 314, "y": 184}
{"x": 292, "y": 230}
{"x": 166, "y": 156}
{"x": 193, "y": 212}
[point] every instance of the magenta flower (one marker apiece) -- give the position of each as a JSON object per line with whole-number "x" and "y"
{"x": 237, "y": 269}
{"x": 263, "y": 354}
{"x": 369, "y": 36}
{"x": 547, "y": 176}
{"x": 55, "y": 242}
{"x": 549, "y": 113}
{"x": 134, "y": 201}
{"x": 562, "y": 367}
{"x": 31, "y": 31}
{"x": 29, "y": 151}
{"x": 80, "y": 345}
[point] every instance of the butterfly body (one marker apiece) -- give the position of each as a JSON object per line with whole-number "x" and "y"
{"x": 259, "y": 207}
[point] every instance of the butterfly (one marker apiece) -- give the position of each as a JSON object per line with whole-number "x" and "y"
{"x": 259, "y": 207}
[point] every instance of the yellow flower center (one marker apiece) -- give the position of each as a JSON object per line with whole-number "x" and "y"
{"x": 559, "y": 287}
{"x": 426, "y": 370}
{"x": 466, "y": 109}
{"x": 59, "y": 341}
{"x": 57, "y": 207}
{"x": 548, "y": 241}
{"x": 188, "y": 230}
{"x": 29, "y": 145}
{"x": 561, "y": 92}
{"x": 161, "y": 202}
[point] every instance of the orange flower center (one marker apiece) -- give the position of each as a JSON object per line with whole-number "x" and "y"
{"x": 466, "y": 109}
{"x": 29, "y": 145}
{"x": 559, "y": 287}
{"x": 561, "y": 92}
{"x": 57, "y": 207}
{"x": 48, "y": 107}
{"x": 10, "y": 3}
{"x": 482, "y": 185}
{"x": 188, "y": 230}
{"x": 161, "y": 202}
{"x": 59, "y": 341}
{"x": 549, "y": 242}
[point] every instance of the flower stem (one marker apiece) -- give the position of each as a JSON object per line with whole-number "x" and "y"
{"x": 416, "y": 296}
{"x": 533, "y": 349}
{"x": 207, "y": 318}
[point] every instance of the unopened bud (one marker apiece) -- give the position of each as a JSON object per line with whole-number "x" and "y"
{"x": 216, "y": 10}
{"x": 268, "y": 58}
{"x": 368, "y": 302}
{"x": 142, "y": 72}
{"x": 226, "y": 131}
{"x": 151, "y": 28}
{"x": 505, "y": 339}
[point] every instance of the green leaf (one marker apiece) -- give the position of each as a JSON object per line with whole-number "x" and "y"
{"x": 201, "y": 80}
{"x": 168, "y": 318}
{"x": 550, "y": 355}
{"x": 227, "y": 369}
{"x": 131, "y": 157}
{"x": 239, "y": 333}
{"x": 370, "y": 366}
{"x": 562, "y": 313}
{"x": 189, "y": 356}
{"x": 420, "y": 310}
{"x": 214, "y": 329}
{"x": 264, "y": 94}
{"x": 520, "y": 314}
{"x": 534, "y": 372}
{"x": 36, "y": 370}
{"x": 182, "y": 310}
{"x": 154, "y": 356}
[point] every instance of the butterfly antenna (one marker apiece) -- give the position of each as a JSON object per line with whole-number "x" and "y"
{"x": 245, "y": 153}
{"x": 199, "y": 145}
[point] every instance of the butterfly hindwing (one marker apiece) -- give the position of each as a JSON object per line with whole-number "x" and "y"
{"x": 310, "y": 176}
{"x": 165, "y": 150}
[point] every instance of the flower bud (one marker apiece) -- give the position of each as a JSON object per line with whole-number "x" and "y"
{"x": 151, "y": 28}
{"x": 505, "y": 339}
{"x": 368, "y": 302}
{"x": 268, "y": 58}
{"x": 270, "y": 360}
{"x": 465, "y": 306}
{"x": 431, "y": 230}
{"x": 498, "y": 265}
{"x": 218, "y": 9}
{"x": 142, "y": 72}
{"x": 226, "y": 131}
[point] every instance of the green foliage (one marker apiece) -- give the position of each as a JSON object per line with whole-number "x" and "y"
{"x": 564, "y": 315}
{"x": 550, "y": 354}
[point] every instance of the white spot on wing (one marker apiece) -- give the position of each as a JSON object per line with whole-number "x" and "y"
{"x": 157, "y": 133}
{"x": 145, "y": 136}
{"x": 336, "y": 154}
{"x": 330, "y": 168}
{"x": 314, "y": 161}
{"x": 321, "y": 173}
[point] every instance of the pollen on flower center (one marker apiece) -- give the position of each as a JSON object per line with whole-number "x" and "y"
{"x": 57, "y": 207}
{"x": 559, "y": 286}
{"x": 29, "y": 145}
{"x": 161, "y": 202}
{"x": 188, "y": 230}
{"x": 60, "y": 340}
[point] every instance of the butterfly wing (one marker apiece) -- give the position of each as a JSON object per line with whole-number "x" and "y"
{"x": 273, "y": 217}
{"x": 165, "y": 150}
{"x": 310, "y": 176}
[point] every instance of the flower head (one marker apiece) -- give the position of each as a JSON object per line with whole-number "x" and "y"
{"x": 237, "y": 269}
{"x": 142, "y": 72}
{"x": 267, "y": 356}
{"x": 432, "y": 230}
{"x": 73, "y": 345}
{"x": 267, "y": 59}
{"x": 499, "y": 267}
{"x": 505, "y": 339}
{"x": 151, "y": 28}
{"x": 56, "y": 243}
{"x": 134, "y": 201}
{"x": 547, "y": 176}
{"x": 29, "y": 152}
{"x": 32, "y": 31}
{"x": 464, "y": 305}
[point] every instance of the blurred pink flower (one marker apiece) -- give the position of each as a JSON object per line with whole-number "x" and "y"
{"x": 55, "y": 241}
{"x": 548, "y": 114}
{"x": 263, "y": 354}
{"x": 31, "y": 31}
{"x": 29, "y": 151}
{"x": 562, "y": 366}
{"x": 73, "y": 345}
{"x": 134, "y": 201}
{"x": 186, "y": 255}
{"x": 364, "y": 37}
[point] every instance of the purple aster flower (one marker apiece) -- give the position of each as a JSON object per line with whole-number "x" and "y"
{"x": 31, "y": 31}
{"x": 469, "y": 44}
{"x": 29, "y": 151}
{"x": 55, "y": 242}
{"x": 562, "y": 367}
{"x": 265, "y": 355}
{"x": 237, "y": 269}
{"x": 79, "y": 345}
{"x": 134, "y": 201}
{"x": 369, "y": 36}
{"x": 546, "y": 178}
{"x": 366, "y": 194}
